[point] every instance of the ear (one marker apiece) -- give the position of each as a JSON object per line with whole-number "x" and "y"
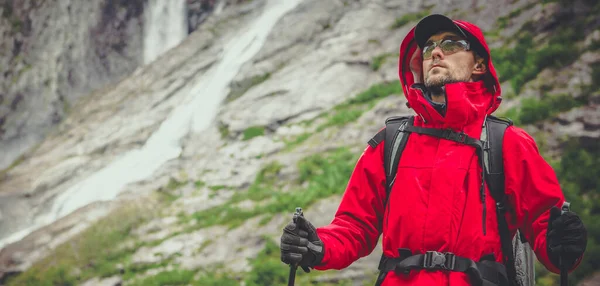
{"x": 480, "y": 67}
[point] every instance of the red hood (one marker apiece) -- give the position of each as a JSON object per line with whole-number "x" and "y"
{"x": 466, "y": 101}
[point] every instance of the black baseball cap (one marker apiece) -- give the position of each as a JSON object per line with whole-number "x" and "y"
{"x": 436, "y": 23}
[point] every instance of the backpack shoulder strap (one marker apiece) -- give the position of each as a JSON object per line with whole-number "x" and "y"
{"x": 493, "y": 135}
{"x": 395, "y": 141}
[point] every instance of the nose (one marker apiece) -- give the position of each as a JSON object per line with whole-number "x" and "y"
{"x": 437, "y": 53}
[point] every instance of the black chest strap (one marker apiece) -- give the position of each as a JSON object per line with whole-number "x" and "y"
{"x": 483, "y": 273}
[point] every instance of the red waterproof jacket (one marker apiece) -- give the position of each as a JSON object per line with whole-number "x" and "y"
{"x": 435, "y": 203}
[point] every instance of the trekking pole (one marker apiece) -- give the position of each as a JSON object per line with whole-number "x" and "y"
{"x": 564, "y": 272}
{"x": 294, "y": 267}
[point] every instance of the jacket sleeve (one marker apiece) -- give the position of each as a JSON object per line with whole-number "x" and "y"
{"x": 532, "y": 189}
{"x": 356, "y": 226}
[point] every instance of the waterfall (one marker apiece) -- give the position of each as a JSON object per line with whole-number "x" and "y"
{"x": 165, "y": 26}
{"x": 193, "y": 115}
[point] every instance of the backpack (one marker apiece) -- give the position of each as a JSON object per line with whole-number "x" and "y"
{"x": 518, "y": 255}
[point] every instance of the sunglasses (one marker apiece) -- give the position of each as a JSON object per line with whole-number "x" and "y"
{"x": 448, "y": 47}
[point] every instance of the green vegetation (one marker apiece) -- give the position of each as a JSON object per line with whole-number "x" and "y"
{"x": 245, "y": 86}
{"x": 217, "y": 187}
{"x": 253, "y": 131}
{"x": 352, "y": 109}
{"x": 95, "y": 252}
{"x": 224, "y": 130}
{"x": 173, "y": 184}
{"x": 174, "y": 277}
{"x": 264, "y": 182}
{"x": 297, "y": 141}
{"x": 267, "y": 269}
{"x": 380, "y": 60}
{"x": 199, "y": 184}
{"x": 533, "y": 110}
{"x": 578, "y": 172}
{"x": 504, "y": 20}
{"x": 321, "y": 176}
{"x": 526, "y": 59}
{"x": 407, "y": 18}
{"x": 216, "y": 279}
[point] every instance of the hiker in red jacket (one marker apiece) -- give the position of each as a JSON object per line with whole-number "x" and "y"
{"x": 439, "y": 225}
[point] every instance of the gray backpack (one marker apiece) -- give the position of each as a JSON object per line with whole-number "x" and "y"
{"x": 519, "y": 257}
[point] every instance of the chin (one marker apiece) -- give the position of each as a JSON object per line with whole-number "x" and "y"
{"x": 435, "y": 80}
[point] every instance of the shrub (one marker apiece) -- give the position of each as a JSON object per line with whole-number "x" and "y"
{"x": 174, "y": 277}
{"x": 523, "y": 62}
{"x": 254, "y": 131}
{"x": 578, "y": 174}
{"x": 267, "y": 268}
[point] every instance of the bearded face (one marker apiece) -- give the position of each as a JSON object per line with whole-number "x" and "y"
{"x": 442, "y": 69}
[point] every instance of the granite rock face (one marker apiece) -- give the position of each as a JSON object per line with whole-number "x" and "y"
{"x": 55, "y": 52}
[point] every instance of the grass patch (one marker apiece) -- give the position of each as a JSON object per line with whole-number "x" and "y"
{"x": 174, "y": 184}
{"x": 503, "y": 21}
{"x": 411, "y": 17}
{"x": 199, "y": 184}
{"x": 216, "y": 279}
{"x": 526, "y": 59}
{"x": 93, "y": 252}
{"x": 267, "y": 268}
{"x": 174, "y": 277}
{"x": 352, "y": 109}
{"x": 289, "y": 145}
{"x": 379, "y": 60}
{"x": 532, "y": 110}
{"x": 321, "y": 175}
{"x": 253, "y": 131}
{"x": 266, "y": 179}
{"x": 217, "y": 187}
{"x": 224, "y": 130}
{"x": 245, "y": 85}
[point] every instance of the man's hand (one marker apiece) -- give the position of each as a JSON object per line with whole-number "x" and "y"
{"x": 300, "y": 244}
{"x": 566, "y": 238}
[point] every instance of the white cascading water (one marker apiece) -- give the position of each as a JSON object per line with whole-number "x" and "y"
{"x": 165, "y": 26}
{"x": 194, "y": 114}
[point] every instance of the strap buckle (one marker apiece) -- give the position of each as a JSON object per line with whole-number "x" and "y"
{"x": 460, "y": 137}
{"x": 437, "y": 260}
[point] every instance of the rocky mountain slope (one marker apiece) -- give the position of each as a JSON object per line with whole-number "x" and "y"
{"x": 294, "y": 121}
{"x": 57, "y": 52}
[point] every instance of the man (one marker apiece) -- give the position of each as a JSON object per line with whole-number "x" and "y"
{"x": 438, "y": 202}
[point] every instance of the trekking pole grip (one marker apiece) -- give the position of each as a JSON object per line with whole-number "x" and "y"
{"x": 564, "y": 272}
{"x": 294, "y": 267}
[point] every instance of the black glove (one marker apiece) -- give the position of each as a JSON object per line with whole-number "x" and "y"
{"x": 566, "y": 238}
{"x": 300, "y": 244}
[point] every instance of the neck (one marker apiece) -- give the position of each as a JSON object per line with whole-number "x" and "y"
{"x": 438, "y": 95}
